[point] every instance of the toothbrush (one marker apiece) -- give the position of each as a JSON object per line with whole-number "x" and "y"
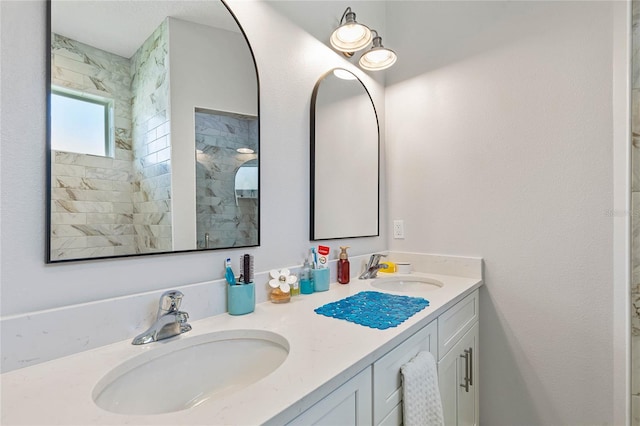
{"x": 315, "y": 258}
{"x": 231, "y": 279}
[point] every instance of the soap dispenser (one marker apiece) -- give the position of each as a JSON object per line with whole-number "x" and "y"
{"x": 343, "y": 266}
{"x": 306, "y": 282}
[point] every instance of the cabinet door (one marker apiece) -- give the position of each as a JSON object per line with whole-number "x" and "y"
{"x": 387, "y": 381}
{"x": 458, "y": 380}
{"x": 456, "y": 321}
{"x": 350, "y": 404}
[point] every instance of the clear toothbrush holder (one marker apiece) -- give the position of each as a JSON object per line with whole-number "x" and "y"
{"x": 241, "y": 298}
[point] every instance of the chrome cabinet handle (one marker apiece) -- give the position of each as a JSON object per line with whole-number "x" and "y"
{"x": 470, "y": 366}
{"x": 466, "y": 379}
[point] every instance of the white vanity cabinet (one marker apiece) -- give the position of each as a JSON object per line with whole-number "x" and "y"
{"x": 350, "y": 404}
{"x": 458, "y": 381}
{"x": 458, "y": 362}
{"x": 374, "y": 396}
{"x": 387, "y": 380}
{"x": 452, "y": 339}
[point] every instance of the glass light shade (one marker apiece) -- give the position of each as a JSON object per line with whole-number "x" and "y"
{"x": 378, "y": 58}
{"x": 344, "y": 74}
{"x": 350, "y": 36}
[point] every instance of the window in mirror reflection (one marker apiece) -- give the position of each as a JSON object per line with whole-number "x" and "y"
{"x": 155, "y": 61}
{"x": 81, "y": 123}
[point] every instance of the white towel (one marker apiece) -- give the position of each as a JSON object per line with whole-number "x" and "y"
{"x": 421, "y": 404}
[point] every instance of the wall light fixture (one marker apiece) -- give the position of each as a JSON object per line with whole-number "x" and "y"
{"x": 351, "y": 36}
{"x": 378, "y": 57}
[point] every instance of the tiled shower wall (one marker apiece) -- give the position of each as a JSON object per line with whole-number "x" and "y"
{"x": 91, "y": 196}
{"x": 635, "y": 219}
{"x": 104, "y": 206}
{"x": 229, "y": 221}
{"x": 152, "y": 144}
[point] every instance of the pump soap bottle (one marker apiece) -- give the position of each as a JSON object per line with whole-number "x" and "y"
{"x": 343, "y": 266}
{"x": 306, "y": 282}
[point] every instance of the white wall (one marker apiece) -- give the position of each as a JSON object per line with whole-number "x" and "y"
{"x": 499, "y": 136}
{"x": 28, "y": 286}
{"x": 501, "y": 116}
{"x": 209, "y": 68}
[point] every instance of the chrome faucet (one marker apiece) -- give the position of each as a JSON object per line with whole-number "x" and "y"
{"x": 373, "y": 266}
{"x": 169, "y": 322}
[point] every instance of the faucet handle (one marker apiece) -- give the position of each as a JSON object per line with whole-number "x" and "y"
{"x": 169, "y": 302}
{"x": 375, "y": 258}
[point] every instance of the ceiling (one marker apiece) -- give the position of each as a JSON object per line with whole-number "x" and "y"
{"x": 121, "y": 26}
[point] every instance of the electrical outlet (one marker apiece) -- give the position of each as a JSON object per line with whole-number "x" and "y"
{"x": 398, "y": 229}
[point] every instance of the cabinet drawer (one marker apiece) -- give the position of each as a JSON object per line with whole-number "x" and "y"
{"x": 455, "y": 322}
{"x": 387, "y": 382}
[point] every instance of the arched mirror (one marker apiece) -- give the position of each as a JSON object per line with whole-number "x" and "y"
{"x": 344, "y": 159}
{"x": 154, "y": 108}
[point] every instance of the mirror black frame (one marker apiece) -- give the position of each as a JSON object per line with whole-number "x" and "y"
{"x": 312, "y": 167}
{"x": 48, "y": 156}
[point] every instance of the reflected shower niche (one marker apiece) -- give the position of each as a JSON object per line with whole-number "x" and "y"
{"x": 226, "y": 179}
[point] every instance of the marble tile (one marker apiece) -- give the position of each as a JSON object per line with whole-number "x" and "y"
{"x": 69, "y": 218}
{"x": 635, "y": 353}
{"x": 124, "y": 250}
{"x": 158, "y": 144}
{"x": 108, "y": 174}
{"x": 635, "y": 37}
{"x": 122, "y": 165}
{"x": 73, "y": 230}
{"x": 124, "y": 154}
{"x": 81, "y": 253}
{"x": 67, "y": 170}
{"x": 61, "y": 206}
{"x": 62, "y": 243}
{"x": 111, "y": 241}
{"x": 635, "y": 112}
{"x": 635, "y": 164}
{"x": 635, "y": 239}
{"x": 108, "y": 218}
{"x": 123, "y": 208}
{"x": 68, "y": 78}
{"x": 151, "y": 207}
{"x": 152, "y": 218}
{"x": 122, "y": 122}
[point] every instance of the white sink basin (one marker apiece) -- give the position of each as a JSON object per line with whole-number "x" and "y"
{"x": 180, "y": 374}
{"x": 407, "y": 284}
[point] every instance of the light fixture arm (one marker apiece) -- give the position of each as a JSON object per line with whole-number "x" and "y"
{"x": 347, "y": 10}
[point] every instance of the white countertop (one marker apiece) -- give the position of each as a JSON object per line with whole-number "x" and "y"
{"x": 324, "y": 352}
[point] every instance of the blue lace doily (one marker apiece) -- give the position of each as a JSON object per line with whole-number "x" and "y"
{"x": 374, "y": 309}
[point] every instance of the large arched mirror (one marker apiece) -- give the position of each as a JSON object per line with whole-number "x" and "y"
{"x": 154, "y": 109}
{"x": 344, "y": 159}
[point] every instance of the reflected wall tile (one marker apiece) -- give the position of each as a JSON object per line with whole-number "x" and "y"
{"x": 108, "y": 174}
{"x": 635, "y": 37}
{"x": 69, "y": 218}
{"x": 635, "y": 164}
{"x": 108, "y": 218}
{"x": 635, "y": 112}
{"x": 635, "y": 238}
{"x": 60, "y": 206}
{"x": 67, "y": 170}
{"x": 73, "y": 231}
{"x": 61, "y": 243}
{"x": 82, "y": 253}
